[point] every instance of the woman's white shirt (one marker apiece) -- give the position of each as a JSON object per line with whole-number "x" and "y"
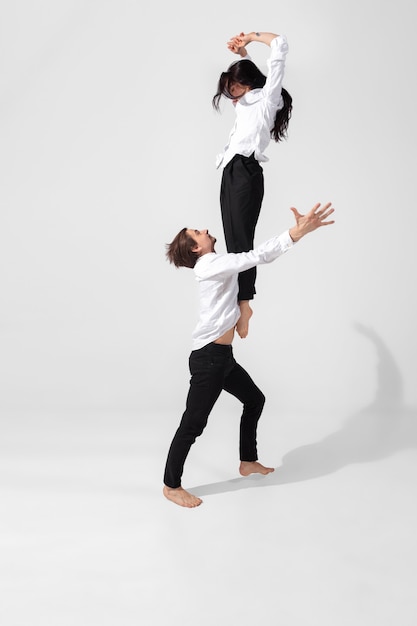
{"x": 256, "y": 110}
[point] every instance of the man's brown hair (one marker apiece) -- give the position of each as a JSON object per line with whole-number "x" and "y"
{"x": 179, "y": 251}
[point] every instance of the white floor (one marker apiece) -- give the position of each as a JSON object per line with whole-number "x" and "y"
{"x": 329, "y": 539}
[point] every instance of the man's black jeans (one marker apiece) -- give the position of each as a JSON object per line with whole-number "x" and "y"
{"x": 213, "y": 368}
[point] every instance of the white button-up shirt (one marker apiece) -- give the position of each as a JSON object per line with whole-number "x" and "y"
{"x": 217, "y": 275}
{"x": 256, "y": 110}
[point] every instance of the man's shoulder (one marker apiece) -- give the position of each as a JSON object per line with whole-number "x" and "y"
{"x": 211, "y": 264}
{"x": 205, "y": 260}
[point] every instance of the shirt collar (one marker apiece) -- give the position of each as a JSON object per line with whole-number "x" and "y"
{"x": 251, "y": 96}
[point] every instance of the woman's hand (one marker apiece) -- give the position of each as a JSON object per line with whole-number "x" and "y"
{"x": 242, "y": 40}
{"x": 237, "y": 45}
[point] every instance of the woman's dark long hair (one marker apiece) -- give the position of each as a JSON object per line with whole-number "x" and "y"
{"x": 247, "y": 73}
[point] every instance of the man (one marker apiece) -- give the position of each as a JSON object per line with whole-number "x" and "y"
{"x": 212, "y": 365}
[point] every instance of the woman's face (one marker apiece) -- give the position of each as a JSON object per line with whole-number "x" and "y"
{"x": 237, "y": 90}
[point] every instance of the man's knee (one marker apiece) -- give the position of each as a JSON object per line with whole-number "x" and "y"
{"x": 257, "y": 401}
{"x": 192, "y": 429}
{"x": 261, "y": 400}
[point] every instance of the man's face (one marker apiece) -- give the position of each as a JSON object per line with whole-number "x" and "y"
{"x": 204, "y": 241}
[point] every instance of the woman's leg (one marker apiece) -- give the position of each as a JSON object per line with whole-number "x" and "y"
{"x": 241, "y": 196}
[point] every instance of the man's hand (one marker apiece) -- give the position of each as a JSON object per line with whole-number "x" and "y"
{"x": 311, "y": 221}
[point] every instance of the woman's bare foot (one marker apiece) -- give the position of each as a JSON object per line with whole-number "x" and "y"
{"x": 253, "y": 467}
{"x": 246, "y": 313}
{"x": 181, "y": 497}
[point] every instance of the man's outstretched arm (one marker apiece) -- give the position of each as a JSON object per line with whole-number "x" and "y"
{"x": 233, "y": 263}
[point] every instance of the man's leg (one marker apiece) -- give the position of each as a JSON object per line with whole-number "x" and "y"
{"x": 207, "y": 374}
{"x": 240, "y": 384}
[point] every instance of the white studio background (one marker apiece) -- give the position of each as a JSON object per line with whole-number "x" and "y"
{"x": 108, "y": 144}
{"x": 108, "y": 148}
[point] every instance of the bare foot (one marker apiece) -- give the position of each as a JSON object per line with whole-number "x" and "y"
{"x": 181, "y": 497}
{"x": 253, "y": 467}
{"x": 246, "y": 313}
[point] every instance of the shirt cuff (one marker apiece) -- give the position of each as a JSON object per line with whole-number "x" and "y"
{"x": 279, "y": 47}
{"x": 286, "y": 239}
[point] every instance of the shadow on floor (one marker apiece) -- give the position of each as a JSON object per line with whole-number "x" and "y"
{"x": 379, "y": 430}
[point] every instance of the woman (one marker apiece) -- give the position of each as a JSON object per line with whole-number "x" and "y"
{"x": 263, "y": 110}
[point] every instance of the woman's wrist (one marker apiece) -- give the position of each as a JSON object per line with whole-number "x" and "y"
{"x": 263, "y": 37}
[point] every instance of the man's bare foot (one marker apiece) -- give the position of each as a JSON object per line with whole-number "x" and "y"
{"x": 181, "y": 497}
{"x": 246, "y": 313}
{"x": 253, "y": 467}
